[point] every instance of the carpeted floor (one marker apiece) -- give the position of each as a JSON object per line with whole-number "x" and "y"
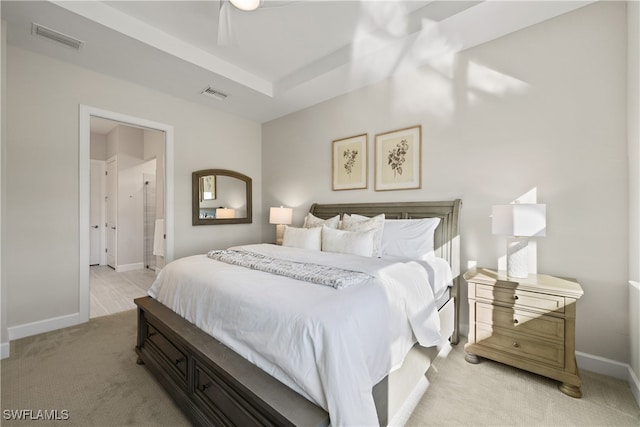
{"x": 88, "y": 372}
{"x": 493, "y": 394}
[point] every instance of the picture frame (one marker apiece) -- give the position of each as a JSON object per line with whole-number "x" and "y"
{"x": 398, "y": 159}
{"x": 349, "y": 166}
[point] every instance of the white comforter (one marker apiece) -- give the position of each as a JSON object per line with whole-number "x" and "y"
{"x": 329, "y": 345}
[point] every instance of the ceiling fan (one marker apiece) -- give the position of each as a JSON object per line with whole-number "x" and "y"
{"x": 246, "y": 5}
{"x": 226, "y": 35}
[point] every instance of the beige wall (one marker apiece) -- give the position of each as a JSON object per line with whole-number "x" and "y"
{"x": 41, "y": 267}
{"x": 542, "y": 109}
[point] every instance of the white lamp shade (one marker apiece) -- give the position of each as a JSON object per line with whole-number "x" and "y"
{"x": 519, "y": 219}
{"x": 225, "y": 213}
{"x": 280, "y": 215}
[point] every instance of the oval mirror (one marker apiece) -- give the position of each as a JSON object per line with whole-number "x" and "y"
{"x": 220, "y": 196}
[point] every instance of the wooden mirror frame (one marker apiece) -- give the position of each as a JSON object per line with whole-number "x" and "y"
{"x": 195, "y": 197}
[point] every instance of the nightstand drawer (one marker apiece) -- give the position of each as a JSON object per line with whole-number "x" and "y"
{"x": 519, "y": 321}
{"x": 520, "y": 298}
{"x": 519, "y": 345}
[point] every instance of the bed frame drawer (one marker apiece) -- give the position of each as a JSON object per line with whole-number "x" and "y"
{"x": 225, "y": 403}
{"x": 176, "y": 358}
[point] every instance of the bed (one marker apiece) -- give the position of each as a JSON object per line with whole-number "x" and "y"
{"x": 243, "y": 377}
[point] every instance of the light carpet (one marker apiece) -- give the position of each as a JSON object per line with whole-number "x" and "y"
{"x": 90, "y": 371}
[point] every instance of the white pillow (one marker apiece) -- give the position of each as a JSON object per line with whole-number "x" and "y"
{"x": 362, "y": 223}
{"x": 313, "y": 221}
{"x": 411, "y": 238}
{"x": 306, "y": 238}
{"x": 348, "y": 242}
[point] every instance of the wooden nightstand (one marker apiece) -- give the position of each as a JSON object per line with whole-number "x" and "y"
{"x": 526, "y": 323}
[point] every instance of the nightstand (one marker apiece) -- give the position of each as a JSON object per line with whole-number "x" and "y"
{"x": 526, "y": 323}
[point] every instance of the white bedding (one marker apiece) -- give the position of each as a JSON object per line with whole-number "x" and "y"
{"x": 329, "y": 345}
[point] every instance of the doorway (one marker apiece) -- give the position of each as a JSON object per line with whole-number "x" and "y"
{"x": 86, "y": 113}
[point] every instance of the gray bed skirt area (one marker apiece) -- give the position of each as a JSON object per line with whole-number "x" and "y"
{"x": 215, "y": 386}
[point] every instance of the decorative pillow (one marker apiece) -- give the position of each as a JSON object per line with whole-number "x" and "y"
{"x": 306, "y": 238}
{"x": 311, "y": 221}
{"x": 411, "y": 238}
{"x": 362, "y": 223}
{"x": 348, "y": 242}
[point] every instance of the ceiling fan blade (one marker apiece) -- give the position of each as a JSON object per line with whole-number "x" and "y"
{"x": 226, "y": 35}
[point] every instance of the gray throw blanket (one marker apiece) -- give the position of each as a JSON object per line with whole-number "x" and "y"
{"x": 337, "y": 278}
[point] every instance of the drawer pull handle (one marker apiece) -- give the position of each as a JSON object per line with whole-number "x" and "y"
{"x": 179, "y": 361}
{"x": 516, "y": 345}
{"x": 515, "y": 321}
{"x": 205, "y": 386}
{"x": 515, "y": 297}
{"x": 152, "y": 334}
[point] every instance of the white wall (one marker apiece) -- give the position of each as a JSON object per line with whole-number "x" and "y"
{"x": 41, "y": 265}
{"x": 98, "y": 146}
{"x": 543, "y": 108}
{"x": 633, "y": 119}
{"x": 154, "y": 149}
{"x": 130, "y": 154}
{"x": 4, "y": 335}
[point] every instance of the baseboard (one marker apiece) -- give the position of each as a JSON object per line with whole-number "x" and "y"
{"x": 602, "y": 365}
{"x": 4, "y": 350}
{"x": 634, "y": 384}
{"x": 611, "y": 368}
{"x": 129, "y": 267}
{"x": 41, "y": 326}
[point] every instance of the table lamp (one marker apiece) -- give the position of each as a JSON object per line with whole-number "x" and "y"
{"x": 521, "y": 221}
{"x": 281, "y": 217}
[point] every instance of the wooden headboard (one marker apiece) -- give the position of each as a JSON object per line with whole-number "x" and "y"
{"x": 446, "y": 237}
{"x": 447, "y": 240}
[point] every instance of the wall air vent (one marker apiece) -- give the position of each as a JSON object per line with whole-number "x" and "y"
{"x": 220, "y": 96}
{"x": 39, "y": 30}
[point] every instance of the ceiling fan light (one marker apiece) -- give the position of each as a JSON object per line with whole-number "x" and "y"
{"x": 246, "y": 5}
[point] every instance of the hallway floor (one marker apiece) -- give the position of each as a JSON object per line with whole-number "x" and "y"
{"x": 113, "y": 292}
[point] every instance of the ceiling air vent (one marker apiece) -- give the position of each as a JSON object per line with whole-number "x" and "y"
{"x": 220, "y": 96}
{"x": 56, "y": 36}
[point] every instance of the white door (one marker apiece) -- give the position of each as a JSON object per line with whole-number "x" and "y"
{"x": 111, "y": 201}
{"x": 96, "y": 213}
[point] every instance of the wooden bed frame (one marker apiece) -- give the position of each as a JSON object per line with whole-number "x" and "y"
{"x": 215, "y": 386}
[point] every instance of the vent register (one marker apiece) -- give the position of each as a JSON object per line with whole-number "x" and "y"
{"x": 42, "y": 31}
{"x": 214, "y": 93}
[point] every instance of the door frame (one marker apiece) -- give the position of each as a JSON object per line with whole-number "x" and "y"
{"x": 85, "y": 113}
{"x": 102, "y": 164}
{"x": 113, "y": 159}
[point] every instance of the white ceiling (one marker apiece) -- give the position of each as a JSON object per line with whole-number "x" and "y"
{"x": 285, "y": 56}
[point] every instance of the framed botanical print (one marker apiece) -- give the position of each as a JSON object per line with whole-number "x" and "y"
{"x": 350, "y": 163}
{"x": 398, "y": 159}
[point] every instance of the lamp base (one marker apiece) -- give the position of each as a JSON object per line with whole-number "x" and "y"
{"x": 279, "y": 234}
{"x": 517, "y": 258}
